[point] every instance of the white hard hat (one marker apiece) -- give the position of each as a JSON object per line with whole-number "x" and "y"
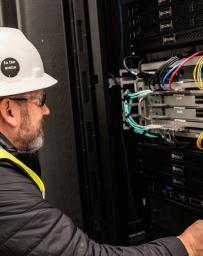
{"x": 21, "y": 67}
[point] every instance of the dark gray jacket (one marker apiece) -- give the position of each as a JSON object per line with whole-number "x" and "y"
{"x": 30, "y": 226}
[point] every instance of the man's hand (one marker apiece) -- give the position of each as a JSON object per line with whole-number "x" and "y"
{"x": 192, "y": 238}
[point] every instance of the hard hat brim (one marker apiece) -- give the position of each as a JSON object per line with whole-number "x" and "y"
{"x": 18, "y": 86}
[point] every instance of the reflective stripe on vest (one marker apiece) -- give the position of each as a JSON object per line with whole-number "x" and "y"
{"x": 34, "y": 177}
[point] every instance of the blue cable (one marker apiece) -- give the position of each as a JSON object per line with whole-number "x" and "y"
{"x": 167, "y": 75}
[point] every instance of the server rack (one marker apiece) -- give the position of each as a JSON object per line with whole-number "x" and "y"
{"x": 170, "y": 171}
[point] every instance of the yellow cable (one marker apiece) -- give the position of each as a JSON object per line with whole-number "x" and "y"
{"x": 200, "y": 73}
{"x": 199, "y": 141}
{"x": 199, "y": 79}
{"x": 194, "y": 73}
{"x": 197, "y": 73}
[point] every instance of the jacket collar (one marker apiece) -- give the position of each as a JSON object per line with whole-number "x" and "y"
{"x": 30, "y": 159}
{"x": 7, "y": 145}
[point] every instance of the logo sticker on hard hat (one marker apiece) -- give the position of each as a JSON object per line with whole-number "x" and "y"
{"x": 10, "y": 67}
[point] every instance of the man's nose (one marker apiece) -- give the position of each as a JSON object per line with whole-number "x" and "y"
{"x": 46, "y": 110}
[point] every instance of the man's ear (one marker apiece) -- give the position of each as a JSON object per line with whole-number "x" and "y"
{"x": 8, "y": 112}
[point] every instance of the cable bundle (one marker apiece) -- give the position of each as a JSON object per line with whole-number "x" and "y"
{"x": 167, "y": 75}
{"x": 157, "y": 77}
{"x": 175, "y": 71}
{"x": 197, "y": 73}
{"x": 167, "y": 134}
{"x": 127, "y": 105}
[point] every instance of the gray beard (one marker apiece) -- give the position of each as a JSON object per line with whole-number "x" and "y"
{"x": 31, "y": 145}
{"x": 28, "y": 139}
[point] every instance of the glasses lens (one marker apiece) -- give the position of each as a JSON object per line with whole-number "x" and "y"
{"x": 39, "y": 101}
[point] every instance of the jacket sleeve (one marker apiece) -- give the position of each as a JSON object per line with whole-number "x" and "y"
{"x": 30, "y": 226}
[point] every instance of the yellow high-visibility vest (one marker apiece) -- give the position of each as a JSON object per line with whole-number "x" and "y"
{"x": 33, "y": 176}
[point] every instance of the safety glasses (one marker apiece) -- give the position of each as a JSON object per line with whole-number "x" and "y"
{"x": 37, "y": 100}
